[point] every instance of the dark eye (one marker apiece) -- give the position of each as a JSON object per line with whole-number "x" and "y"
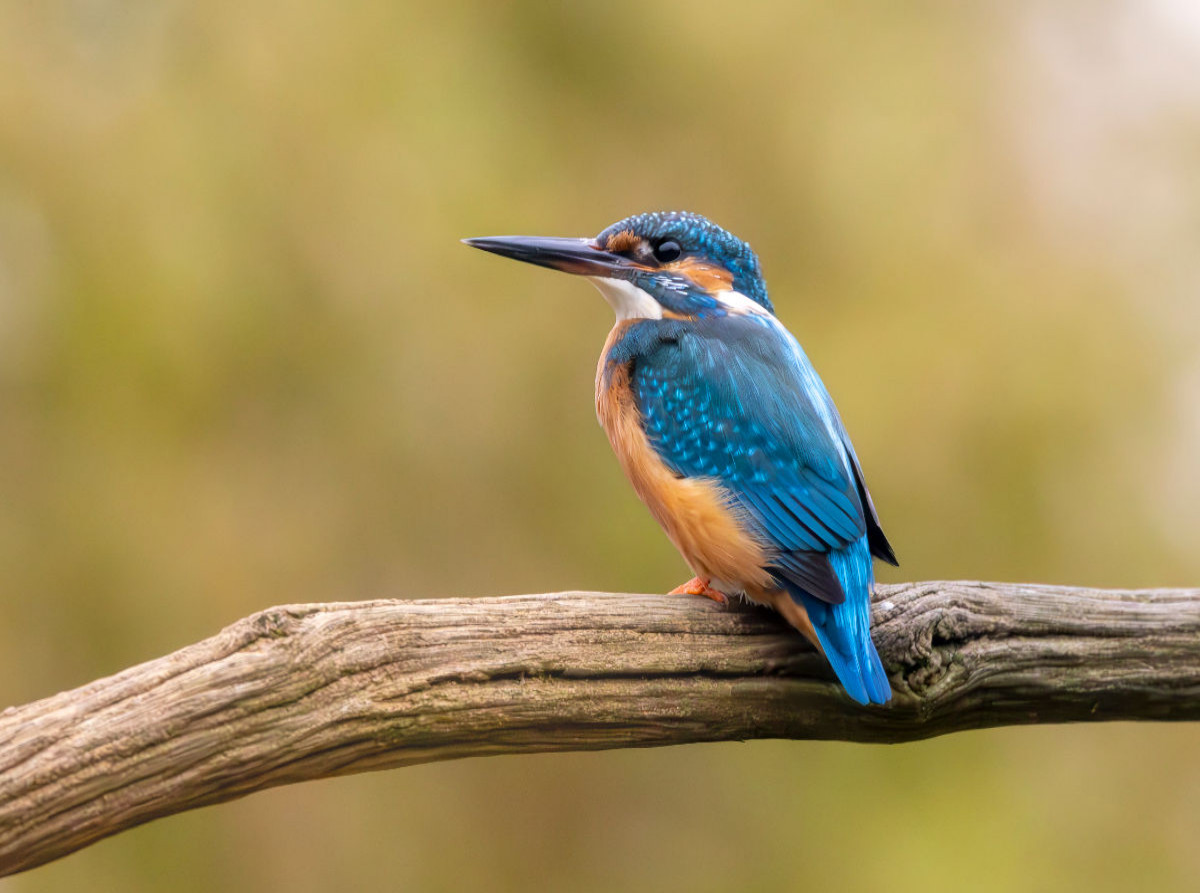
{"x": 665, "y": 252}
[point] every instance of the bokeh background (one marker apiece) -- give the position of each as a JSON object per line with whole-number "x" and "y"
{"x": 244, "y": 360}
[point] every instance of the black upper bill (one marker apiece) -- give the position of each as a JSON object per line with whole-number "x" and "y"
{"x": 579, "y": 256}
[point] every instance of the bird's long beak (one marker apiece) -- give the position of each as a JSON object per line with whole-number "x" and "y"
{"x": 579, "y": 256}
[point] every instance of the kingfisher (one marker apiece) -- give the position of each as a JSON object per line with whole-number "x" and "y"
{"x": 726, "y": 431}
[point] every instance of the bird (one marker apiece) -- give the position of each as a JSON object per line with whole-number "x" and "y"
{"x": 726, "y": 432}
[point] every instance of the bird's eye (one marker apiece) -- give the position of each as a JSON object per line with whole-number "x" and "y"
{"x": 665, "y": 252}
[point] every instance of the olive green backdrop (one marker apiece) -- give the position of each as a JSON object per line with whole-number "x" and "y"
{"x": 244, "y": 360}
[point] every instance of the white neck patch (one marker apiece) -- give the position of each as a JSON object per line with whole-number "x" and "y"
{"x": 626, "y": 299}
{"x": 737, "y": 303}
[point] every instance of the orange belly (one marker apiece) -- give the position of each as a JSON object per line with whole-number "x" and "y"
{"x": 710, "y": 535}
{"x": 693, "y": 511}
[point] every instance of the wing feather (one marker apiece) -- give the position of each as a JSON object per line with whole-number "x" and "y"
{"x": 735, "y": 401}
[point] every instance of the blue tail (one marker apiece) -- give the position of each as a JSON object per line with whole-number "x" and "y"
{"x": 845, "y": 630}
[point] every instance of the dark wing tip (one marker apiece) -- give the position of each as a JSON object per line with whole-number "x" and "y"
{"x": 808, "y": 572}
{"x": 880, "y": 547}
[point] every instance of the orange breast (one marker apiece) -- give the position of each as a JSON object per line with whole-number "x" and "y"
{"x": 692, "y": 511}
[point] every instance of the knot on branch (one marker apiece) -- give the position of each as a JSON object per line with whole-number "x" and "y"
{"x": 930, "y": 643}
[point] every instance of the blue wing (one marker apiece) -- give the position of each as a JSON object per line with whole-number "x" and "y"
{"x": 729, "y": 403}
{"x": 736, "y": 400}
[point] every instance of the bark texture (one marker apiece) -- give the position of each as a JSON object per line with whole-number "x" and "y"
{"x": 309, "y": 691}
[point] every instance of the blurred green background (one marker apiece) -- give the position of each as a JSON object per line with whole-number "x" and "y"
{"x": 244, "y": 361}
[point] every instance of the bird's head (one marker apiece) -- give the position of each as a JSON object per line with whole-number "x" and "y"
{"x": 663, "y": 264}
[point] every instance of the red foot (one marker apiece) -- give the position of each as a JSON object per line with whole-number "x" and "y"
{"x": 696, "y": 586}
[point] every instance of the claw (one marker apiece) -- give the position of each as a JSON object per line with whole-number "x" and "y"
{"x": 696, "y": 586}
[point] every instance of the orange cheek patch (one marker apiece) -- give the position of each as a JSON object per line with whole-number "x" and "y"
{"x": 704, "y": 275}
{"x": 625, "y": 240}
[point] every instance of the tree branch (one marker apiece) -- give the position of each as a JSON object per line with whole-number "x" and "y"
{"x": 310, "y": 691}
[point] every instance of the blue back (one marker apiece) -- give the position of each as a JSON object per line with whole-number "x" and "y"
{"x": 735, "y": 399}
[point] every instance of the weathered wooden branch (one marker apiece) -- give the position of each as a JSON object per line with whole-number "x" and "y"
{"x": 309, "y": 691}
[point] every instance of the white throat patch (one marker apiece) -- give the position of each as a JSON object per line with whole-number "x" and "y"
{"x": 626, "y": 299}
